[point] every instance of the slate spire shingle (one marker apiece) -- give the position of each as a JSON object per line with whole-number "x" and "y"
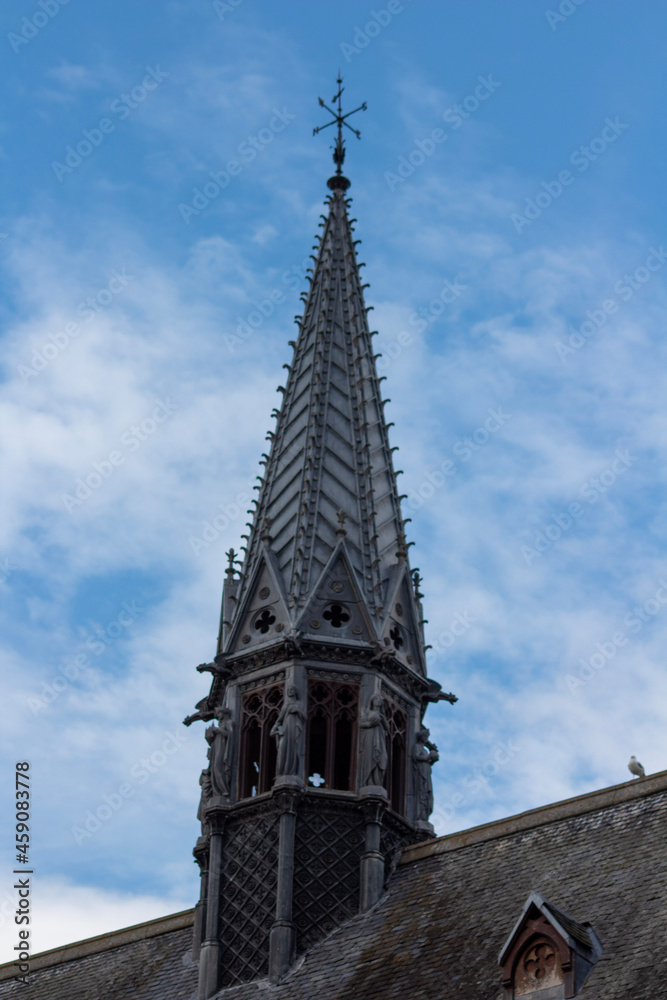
{"x": 330, "y": 462}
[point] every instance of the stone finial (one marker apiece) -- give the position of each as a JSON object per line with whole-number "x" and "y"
{"x": 340, "y": 530}
{"x": 402, "y": 549}
{"x": 231, "y": 560}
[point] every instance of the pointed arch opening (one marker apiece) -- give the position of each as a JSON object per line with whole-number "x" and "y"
{"x": 260, "y": 710}
{"x": 397, "y": 723}
{"x": 332, "y": 733}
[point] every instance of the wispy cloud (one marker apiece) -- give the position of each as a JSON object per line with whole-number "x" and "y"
{"x": 493, "y": 347}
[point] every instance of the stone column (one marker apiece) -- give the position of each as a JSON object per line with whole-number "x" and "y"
{"x": 209, "y": 958}
{"x": 372, "y": 860}
{"x": 233, "y": 703}
{"x": 201, "y": 854}
{"x": 281, "y": 942}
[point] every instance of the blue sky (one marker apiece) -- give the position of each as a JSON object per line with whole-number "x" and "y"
{"x": 510, "y": 197}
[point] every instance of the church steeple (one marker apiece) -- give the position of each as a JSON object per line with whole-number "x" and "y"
{"x": 330, "y": 451}
{"x": 319, "y": 767}
{"x": 329, "y": 473}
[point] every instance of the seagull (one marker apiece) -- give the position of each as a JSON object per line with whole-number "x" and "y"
{"x": 636, "y": 768}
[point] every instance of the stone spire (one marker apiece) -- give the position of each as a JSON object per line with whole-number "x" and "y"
{"x": 328, "y": 492}
{"x": 319, "y": 765}
{"x": 330, "y": 450}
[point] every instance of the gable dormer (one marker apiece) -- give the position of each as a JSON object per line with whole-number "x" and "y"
{"x": 548, "y": 955}
{"x": 261, "y": 617}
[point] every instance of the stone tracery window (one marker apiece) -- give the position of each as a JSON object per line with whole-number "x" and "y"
{"x": 258, "y": 748}
{"x": 537, "y": 968}
{"x": 331, "y": 736}
{"x": 395, "y": 780}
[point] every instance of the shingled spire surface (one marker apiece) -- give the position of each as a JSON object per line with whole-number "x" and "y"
{"x": 330, "y": 466}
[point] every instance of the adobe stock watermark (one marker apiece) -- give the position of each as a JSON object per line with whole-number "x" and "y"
{"x": 224, "y": 7}
{"x": 581, "y": 158}
{"x": 6, "y": 569}
{"x": 265, "y": 307}
{"x": 634, "y": 622}
{"x": 453, "y": 116}
{"x": 213, "y": 528}
{"x": 477, "y": 780}
{"x": 364, "y": 34}
{"x": 35, "y": 22}
{"x": 246, "y": 151}
{"x": 227, "y": 513}
{"x": 97, "y": 642}
{"x": 87, "y": 310}
{"x": 464, "y": 449}
{"x": 130, "y": 440}
{"x": 624, "y": 288}
{"x": 112, "y": 802}
{"x": 419, "y": 321}
{"x": 461, "y": 622}
{"x": 566, "y": 8}
{"x": 93, "y": 138}
{"x": 592, "y": 490}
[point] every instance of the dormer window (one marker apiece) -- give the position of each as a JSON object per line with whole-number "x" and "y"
{"x": 548, "y": 955}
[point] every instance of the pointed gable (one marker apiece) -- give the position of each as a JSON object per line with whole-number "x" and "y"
{"x": 548, "y": 955}
{"x": 402, "y": 628}
{"x": 262, "y": 615}
{"x": 336, "y": 609}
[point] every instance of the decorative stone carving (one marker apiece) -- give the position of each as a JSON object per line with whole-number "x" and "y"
{"x": 248, "y": 896}
{"x": 538, "y": 968}
{"x": 424, "y": 756}
{"x": 548, "y": 954}
{"x": 373, "y": 751}
{"x": 206, "y": 792}
{"x": 289, "y": 732}
{"x": 220, "y": 739}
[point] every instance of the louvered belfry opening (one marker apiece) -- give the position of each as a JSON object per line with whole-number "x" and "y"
{"x": 316, "y": 775}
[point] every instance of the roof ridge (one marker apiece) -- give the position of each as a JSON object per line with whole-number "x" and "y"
{"x": 578, "y": 805}
{"x": 102, "y": 942}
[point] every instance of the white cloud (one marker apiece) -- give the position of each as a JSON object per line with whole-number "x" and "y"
{"x": 64, "y": 912}
{"x": 163, "y": 337}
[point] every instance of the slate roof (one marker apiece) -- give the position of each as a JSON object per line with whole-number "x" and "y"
{"x": 151, "y": 961}
{"x": 437, "y": 932}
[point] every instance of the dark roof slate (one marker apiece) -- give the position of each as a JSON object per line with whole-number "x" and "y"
{"x": 148, "y": 966}
{"x": 437, "y": 932}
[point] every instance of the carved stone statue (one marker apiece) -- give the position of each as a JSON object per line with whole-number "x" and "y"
{"x": 373, "y": 753}
{"x": 206, "y": 792}
{"x": 424, "y": 756}
{"x": 220, "y": 739}
{"x": 289, "y": 730}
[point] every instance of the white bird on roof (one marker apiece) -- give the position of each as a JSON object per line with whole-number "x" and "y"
{"x": 636, "y": 768}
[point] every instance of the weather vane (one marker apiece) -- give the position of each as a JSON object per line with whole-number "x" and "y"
{"x": 339, "y": 119}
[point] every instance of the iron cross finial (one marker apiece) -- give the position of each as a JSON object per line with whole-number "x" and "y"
{"x": 339, "y": 119}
